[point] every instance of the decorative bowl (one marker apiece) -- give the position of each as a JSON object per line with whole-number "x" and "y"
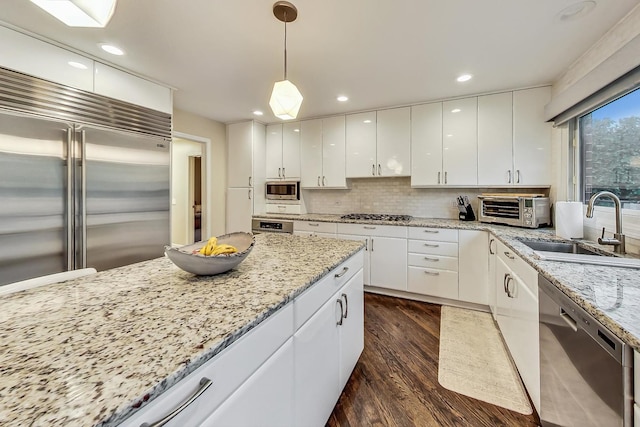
{"x": 185, "y": 258}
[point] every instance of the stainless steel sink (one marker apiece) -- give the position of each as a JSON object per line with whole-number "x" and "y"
{"x": 562, "y": 247}
{"x": 576, "y": 253}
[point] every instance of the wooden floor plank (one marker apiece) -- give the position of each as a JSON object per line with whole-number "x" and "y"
{"x": 395, "y": 382}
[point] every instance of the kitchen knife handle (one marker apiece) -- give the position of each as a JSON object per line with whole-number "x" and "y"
{"x": 83, "y": 165}
{"x": 205, "y": 383}
{"x": 339, "y": 322}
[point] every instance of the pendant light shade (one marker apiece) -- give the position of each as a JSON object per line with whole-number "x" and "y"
{"x": 286, "y": 99}
{"x": 80, "y": 13}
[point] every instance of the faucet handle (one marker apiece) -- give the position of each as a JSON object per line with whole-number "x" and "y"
{"x": 602, "y": 233}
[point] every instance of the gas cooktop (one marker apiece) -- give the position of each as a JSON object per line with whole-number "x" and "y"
{"x": 377, "y": 217}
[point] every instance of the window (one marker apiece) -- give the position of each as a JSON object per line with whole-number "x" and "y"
{"x": 610, "y": 150}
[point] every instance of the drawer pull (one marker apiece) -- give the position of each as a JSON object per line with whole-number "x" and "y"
{"x": 342, "y": 273}
{"x": 312, "y": 224}
{"x": 369, "y": 228}
{"x": 205, "y": 383}
{"x": 431, "y": 231}
{"x": 431, "y": 259}
{"x": 429, "y": 245}
{"x": 431, "y": 273}
{"x": 508, "y": 255}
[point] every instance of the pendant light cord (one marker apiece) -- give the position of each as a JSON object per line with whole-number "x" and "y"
{"x": 285, "y": 45}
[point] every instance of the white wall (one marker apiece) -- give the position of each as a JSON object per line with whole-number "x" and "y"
{"x": 214, "y": 191}
{"x": 181, "y": 150}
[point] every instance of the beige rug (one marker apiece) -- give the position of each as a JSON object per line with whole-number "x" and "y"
{"x": 474, "y": 361}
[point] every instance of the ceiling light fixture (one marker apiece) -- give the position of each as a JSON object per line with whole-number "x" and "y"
{"x": 286, "y": 99}
{"x": 114, "y": 50}
{"x": 258, "y": 113}
{"x": 464, "y": 78}
{"x": 80, "y": 13}
{"x": 342, "y": 98}
{"x": 576, "y": 10}
{"x": 456, "y": 110}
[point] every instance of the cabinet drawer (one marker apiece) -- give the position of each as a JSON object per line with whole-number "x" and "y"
{"x": 373, "y": 230}
{"x": 313, "y": 298}
{"x": 438, "y": 234}
{"x": 316, "y": 227}
{"x": 427, "y": 281}
{"x": 434, "y": 261}
{"x": 519, "y": 266}
{"x": 228, "y": 370}
{"x": 282, "y": 208}
{"x": 433, "y": 248}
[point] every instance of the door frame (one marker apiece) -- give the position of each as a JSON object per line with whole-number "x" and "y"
{"x": 206, "y": 173}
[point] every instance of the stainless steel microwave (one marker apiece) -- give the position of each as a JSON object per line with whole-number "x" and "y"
{"x": 283, "y": 190}
{"x": 528, "y": 211}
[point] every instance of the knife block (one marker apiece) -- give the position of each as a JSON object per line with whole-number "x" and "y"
{"x": 469, "y": 215}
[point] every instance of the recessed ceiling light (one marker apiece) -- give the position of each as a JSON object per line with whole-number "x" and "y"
{"x": 456, "y": 110}
{"x": 77, "y": 65}
{"x": 296, "y": 130}
{"x": 576, "y": 10}
{"x": 114, "y": 50}
{"x": 258, "y": 113}
{"x": 367, "y": 121}
{"x": 342, "y": 98}
{"x": 464, "y": 78}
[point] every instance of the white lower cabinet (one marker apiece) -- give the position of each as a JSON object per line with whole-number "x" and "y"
{"x": 240, "y": 209}
{"x": 326, "y": 349}
{"x": 385, "y": 264}
{"x": 433, "y": 262}
{"x": 491, "y": 280}
{"x": 318, "y": 229}
{"x": 265, "y": 399}
{"x": 473, "y": 269}
{"x": 517, "y": 316}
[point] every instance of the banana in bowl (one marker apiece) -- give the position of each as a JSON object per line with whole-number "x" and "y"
{"x": 214, "y": 256}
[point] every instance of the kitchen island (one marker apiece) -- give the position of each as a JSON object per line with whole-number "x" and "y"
{"x": 91, "y": 351}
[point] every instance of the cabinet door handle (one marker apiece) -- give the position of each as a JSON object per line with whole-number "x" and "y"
{"x": 429, "y": 245}
{"x": 279, "y": 172}
{"x": 431, "y": 259}
{"x": 318, "y": 180}
{"x": 373, "y": 170}
{"x": 346, "y": 305}
{"x": 366, "y": 244}
{"x": 438, "y": 177}
{"x": 431, "y": 273}
{"x": 379, "y": 169}
{"x": 205, "y": 383}
{"x": 284, "y": 175}
{"x": 508, "y": 255}
{"x": 509, "y": 293}
{"x": 509, "y": 179}
{"x": 339, "y": 322}
{"x": 369, "y": 228}
{"x": 445, "y": 177}
{"x": 490, "y": 250}
{"x": 517, "y": 176}
{"x": 504, "y": 282}
{"x": 342, "y": 273}
{"x": 249, "y": 194}
{"x": 372, "y": 244}
{"x": 324, "y": 183}
{"x": 249, "y": 181}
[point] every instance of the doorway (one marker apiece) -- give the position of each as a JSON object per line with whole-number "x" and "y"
{"x": 188, "y": 189}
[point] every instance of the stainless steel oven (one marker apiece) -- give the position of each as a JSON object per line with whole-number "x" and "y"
{"x": 271, "y": 226}
{"x": 530, "y": 211}
{"x": 283, "y": 190}
{"x": 585, "y": 370}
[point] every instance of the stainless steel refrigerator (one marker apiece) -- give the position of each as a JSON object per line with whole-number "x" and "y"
{"x": 74, "y": 195}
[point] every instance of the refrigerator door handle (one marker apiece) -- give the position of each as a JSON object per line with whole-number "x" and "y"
{"x": 83, "y": 171}
{"x": 70, "y": 162}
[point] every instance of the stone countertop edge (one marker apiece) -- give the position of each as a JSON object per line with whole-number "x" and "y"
{"x": 578, "y": 281}
{"x": 85, "y": 351}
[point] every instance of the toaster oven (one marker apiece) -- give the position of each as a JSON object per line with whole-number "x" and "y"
{"x": 530, "y": 211}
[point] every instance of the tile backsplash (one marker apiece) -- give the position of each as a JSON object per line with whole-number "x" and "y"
{"x": 393, "y": 196}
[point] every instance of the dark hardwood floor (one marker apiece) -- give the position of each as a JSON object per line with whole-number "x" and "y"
{"x": 395, "y": 382}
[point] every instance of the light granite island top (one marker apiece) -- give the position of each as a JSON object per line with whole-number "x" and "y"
{"x": 610, "y": 294}
{"x": 88, "y": 351}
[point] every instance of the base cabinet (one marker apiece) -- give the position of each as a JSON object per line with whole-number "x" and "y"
{"x": 473, "y": 270}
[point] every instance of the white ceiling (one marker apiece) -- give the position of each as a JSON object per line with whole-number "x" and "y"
{"x": 223, "y": 56}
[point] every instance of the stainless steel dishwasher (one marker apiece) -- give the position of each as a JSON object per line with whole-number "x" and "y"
{"x": 585, "y": 371}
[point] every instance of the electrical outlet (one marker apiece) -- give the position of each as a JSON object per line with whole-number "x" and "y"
{"x": 454, "y": 204}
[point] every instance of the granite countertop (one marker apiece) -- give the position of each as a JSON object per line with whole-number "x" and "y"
{"x": 610, "y": 294}
{"x": 88, "y": 351}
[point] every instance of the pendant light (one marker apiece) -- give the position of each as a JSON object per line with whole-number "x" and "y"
{"x": 286, "y": 99}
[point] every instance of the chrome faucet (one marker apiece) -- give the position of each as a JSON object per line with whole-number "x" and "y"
{"x": 618, "y": 237}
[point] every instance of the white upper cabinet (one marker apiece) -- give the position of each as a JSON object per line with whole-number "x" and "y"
{"x": 426, "y": 144}
{"x": 46, "y": 61}
{"x": 495, "y": 139}
{"x": 283, "y": 151}
{"x": 460, "y": 141}
{"x": 311, "y": 153}
{"x": 322, "y": 153}
{"x": 240, "y": 154}
{"x": 394, "y": 142}
{"x": 531, "y": 137}
{"x": 117, "y": 84}
{"x": 361, "y": 158}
